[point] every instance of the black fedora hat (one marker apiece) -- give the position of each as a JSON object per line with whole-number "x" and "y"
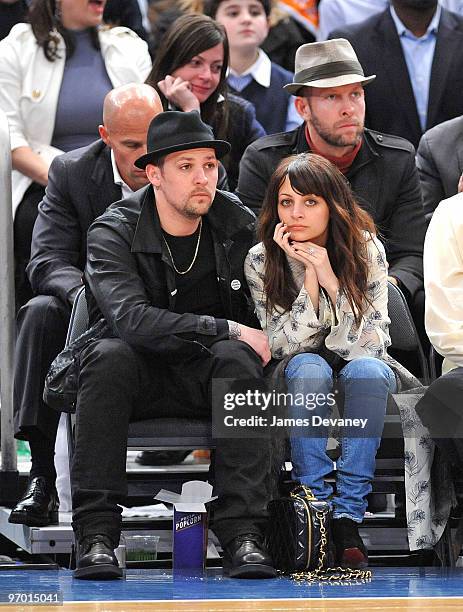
{"x": 173, "y": 131}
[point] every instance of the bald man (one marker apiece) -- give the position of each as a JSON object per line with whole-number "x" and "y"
{"x": 81, "y": 185}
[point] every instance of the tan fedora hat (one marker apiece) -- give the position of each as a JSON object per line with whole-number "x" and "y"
{"x": 330, "y": 63}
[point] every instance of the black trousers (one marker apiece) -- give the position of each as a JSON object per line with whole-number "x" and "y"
{"x": 41, "y": 332}
{"x": 24, "y": 221}
{"x": 440, "y": 411}
{"x": 117, "y": 385}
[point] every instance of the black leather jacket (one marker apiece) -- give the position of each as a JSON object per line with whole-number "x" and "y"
{"x": 131, "y": 280}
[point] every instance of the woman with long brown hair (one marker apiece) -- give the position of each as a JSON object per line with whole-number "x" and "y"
{"x": 190, "y": 73}
{"x": 319, "y": 282}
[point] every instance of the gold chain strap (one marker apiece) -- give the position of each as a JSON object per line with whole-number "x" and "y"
{"x": 307, "y": 492}
{"x": 330, "y": 574}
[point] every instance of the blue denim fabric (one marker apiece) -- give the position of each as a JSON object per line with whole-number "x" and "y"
{"x": 365, "y": 382}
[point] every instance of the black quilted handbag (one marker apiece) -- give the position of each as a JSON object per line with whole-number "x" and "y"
{"x": 61, "y": 382}
{"x": 299, "y": 532}
{"x": 299, "y": 539}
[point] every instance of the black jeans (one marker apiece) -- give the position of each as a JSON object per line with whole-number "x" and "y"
{"x": 41, "y": 332}
{"x": 117, "y": 385}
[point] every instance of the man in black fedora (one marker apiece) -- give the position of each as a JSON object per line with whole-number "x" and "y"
{"x": 167, "y": 275}
{"x": 329, "y": 88}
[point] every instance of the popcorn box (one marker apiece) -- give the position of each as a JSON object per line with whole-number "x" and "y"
{"x": 189, "y": 524}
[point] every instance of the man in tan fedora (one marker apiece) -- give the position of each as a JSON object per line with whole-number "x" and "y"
{"x": 328, "y": 84}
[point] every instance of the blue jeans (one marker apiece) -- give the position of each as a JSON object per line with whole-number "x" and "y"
{"x": 365, "y": 383}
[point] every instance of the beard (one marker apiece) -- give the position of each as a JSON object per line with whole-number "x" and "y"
{"x": 193, "y": 211}
{"x": 193, "y": 208}
{"x": 190, "y": 205}
{"x": 337, "y": 140}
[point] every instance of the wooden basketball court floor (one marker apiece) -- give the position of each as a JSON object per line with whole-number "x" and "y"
{"x": 423, "y": 589}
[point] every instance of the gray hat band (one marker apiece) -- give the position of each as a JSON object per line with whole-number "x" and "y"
{"x": 326, "y": 71}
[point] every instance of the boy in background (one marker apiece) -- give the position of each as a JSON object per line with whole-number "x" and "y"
{"x": 252, "y": 74}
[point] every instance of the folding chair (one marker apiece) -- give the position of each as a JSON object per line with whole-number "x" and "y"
{"x": 176, "y": 432}
{"x": 403, "y": 332}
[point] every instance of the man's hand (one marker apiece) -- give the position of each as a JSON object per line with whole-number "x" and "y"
{"x": 393, "y": 280}
{"x": 460, "y": 184}
{"x": 256, "y": 339}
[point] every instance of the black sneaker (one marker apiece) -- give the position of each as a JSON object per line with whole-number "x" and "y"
{"x": 350, "y": 550}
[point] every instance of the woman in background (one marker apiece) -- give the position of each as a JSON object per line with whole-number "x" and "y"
{"x": 189, "y": 73}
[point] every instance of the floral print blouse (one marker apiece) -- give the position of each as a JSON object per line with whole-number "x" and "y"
{"x": 302, "y": 330}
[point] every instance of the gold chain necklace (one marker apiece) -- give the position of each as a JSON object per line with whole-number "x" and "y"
{"x": 194, "y": 256}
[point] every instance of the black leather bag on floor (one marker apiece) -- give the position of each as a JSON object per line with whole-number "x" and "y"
{"x": 299, "y": 534}
{"x": 61, "y": 382}
{"x": 300, "y": 542}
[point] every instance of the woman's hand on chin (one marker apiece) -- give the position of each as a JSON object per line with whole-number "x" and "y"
{"x": 318, "y": 257}
{"x": 282, "y": 237}
{"x": 178, "y": 92}
{"x": 311, "y": 283}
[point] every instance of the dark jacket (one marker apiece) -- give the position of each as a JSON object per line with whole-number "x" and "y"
{"x": 440, "y": 163}
{"x": 132, "y": 281}
{"x": 390, "y": 101}
{"x": 243, "y": 129}
{"x": 385, "y": 182}
{"x": 80, "y": 188}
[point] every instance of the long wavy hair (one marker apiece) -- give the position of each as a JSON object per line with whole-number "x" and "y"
{"x": 346, "y": 244}
{"x": 188, "y": 36}
{"x": 44, "y": 17}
